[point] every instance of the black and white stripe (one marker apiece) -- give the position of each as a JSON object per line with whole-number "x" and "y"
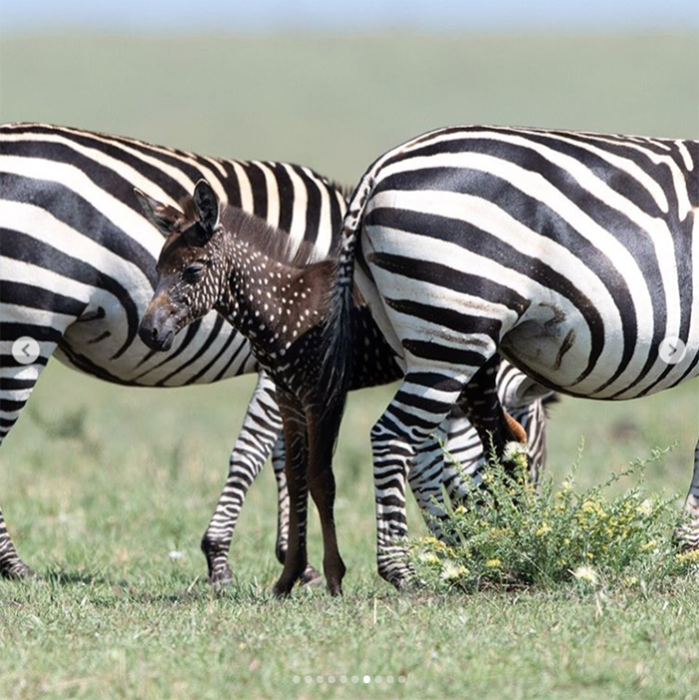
{"x": 78, "y": 267}
{"x": 574, "y": 255}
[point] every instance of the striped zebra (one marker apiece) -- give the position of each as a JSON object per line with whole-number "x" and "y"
{"x": 573, "y": 255}
{"x": 78, "y": 268}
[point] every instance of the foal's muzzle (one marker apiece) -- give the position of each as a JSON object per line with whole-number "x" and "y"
{"x": 158, "y": 328}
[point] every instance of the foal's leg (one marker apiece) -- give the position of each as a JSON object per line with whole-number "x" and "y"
{"x": 310, "y": 575}
{"x": 296, "y": 443}
{"x": 261, "y": 429}
{"x": 322, "y": 431}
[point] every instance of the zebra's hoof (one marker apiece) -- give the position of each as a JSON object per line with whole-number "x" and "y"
{"x": 221, "y": 576}
{"x": 19, "y": 572}
{"x": 310, "y": 577}
{"x": 407, "y": 582}
{"x": 411, "y": 584}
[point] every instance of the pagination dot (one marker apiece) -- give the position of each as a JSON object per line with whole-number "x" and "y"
{"x": 401, "y": 679}
{"x": 367, "y": 679}
{"x": 296, "y": 679}
{"x": 355, "y": 679}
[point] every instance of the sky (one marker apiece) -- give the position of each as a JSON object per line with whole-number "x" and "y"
{"x": 347, "y": 15}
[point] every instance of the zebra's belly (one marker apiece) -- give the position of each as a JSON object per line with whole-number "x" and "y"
{"x": 104, "y": 344}
{"x": 567, "y": 357}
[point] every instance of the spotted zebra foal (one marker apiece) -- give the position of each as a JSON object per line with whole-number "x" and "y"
{"x": 238, "y": 265}
{"x": 241, "y": 267}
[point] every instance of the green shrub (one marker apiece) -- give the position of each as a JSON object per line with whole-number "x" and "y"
{"x": 508, "y": 534}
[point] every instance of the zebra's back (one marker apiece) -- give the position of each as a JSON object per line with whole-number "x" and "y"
{"x": 72, "y": 230}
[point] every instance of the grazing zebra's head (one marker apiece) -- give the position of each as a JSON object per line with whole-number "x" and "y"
{"x": 190, "y": 267}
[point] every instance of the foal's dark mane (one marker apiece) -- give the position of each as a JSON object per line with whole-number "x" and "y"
{"x": 275, "y": 243}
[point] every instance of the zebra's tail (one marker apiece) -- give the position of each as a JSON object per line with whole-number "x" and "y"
{"x": 336, "y": 363}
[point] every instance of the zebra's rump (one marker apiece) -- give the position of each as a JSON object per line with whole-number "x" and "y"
{"x": 575, "y": 253}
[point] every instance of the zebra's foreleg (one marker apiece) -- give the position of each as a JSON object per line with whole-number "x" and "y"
{"x": 16, "y": 384}
{"x": 688, "y": 534}
{"x": 261, "y": 429}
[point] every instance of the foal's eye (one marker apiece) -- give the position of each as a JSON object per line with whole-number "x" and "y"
{"x": 192, "y": 273}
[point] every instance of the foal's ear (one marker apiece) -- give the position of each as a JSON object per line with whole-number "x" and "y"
{"x": 207, "y": 207}
{"x": 164, "y": 217}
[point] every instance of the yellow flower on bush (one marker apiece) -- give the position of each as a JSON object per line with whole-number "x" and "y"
{"x": 648, "y": 545}
{"x": 688, "y": 557}
{"x": 493, "y": 563}
{"x": 587, "y": 574}
{"x": 429, "y": 558}
{"x": 543, "y": 530}
{"x": 646, "y": 508}
{"x": 452, "y": 571}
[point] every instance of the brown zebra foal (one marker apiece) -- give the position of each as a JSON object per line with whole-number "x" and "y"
{"x": 278, "y": 298}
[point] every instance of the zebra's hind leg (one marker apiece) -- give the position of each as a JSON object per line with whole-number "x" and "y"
{"x": 16, "y": 384}
{"x": 499, "y": 432}
{"x": 426, "y": 479}
{"x": 11, "y": 566}
{"x": 310, "y": 575}
{"x": 423, "y": 401}
{"x": 261, "y": 429}
{"x": 688, "y": 534}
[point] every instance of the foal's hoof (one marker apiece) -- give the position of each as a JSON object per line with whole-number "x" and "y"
{"x": 335, "y": 589}
{"x": 310, "y": 577}
{"x": 221, "y": 576}
{"x": 282, "y": 590}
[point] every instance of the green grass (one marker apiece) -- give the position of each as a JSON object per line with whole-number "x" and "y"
{"x": 99, "y": 483}
{"x": 97, "y": 515}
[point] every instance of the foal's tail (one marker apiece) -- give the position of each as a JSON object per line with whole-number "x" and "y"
{"x": 336, "y": 368}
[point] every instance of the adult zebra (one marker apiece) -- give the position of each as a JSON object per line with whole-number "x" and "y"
{"x": 78, "y": 267}
{"x": 573, "y": 255}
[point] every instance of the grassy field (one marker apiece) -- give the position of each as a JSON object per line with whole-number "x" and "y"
{"x": 100, "y": 483}
{"x": 97, "y": 504}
